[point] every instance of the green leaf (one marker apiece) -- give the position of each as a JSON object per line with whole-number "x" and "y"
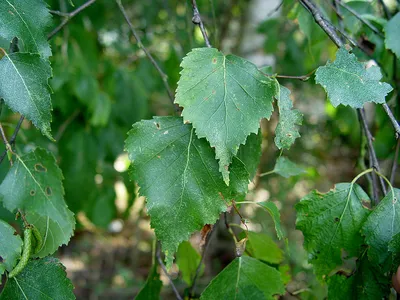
{"x": 28, "y": 21}
{"x": 381, "y": 226}
{"x": 331, "y": 223}
{"x": 40, "y": 279}
{"x": 250, "y": 153}
{"x": 286, "y": 131}
{"x": 101, "y": 110}
{"x": 187, "y": 259}
{"x": 178, "y": 174}
{"x": 392, "y": 33}
{"x": 152, "y": 288}
{"x": 224, "y": 97}
{"x": 394, "y": 248}
{"x": 286, "y": 168}
{"x": 34, "y": 185}
{"x": 24, "y": 87}
{"x": 350, "y": 82}
{"x": 10, "y": 247}
{"x": 242, "y": 279}
{"x": 261, "y": 246}
{"x": 271, "y": 208}
{"x": 368, "y": 282}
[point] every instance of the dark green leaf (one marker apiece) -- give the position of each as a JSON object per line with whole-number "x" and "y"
{"x": 286, "y": 168}
{"x": 242, "y": 280}
{"x": 394, "y": 248}
{"x": 152, "y": 288}
{"x": 250, "y": 153}
{"x": 40, "y": 279}
{"x": 392, "y": 33}
{"x": 28, "y": 21}
{"x": 381, "y": 226}
{"x": 287, "y": 130}
{"x": 178, "y": 174}
{"x": 24, "y": 87}
{"x": 10, "y": 247}
{"x": 224, "y": 97}
{"x": 349, "y": 82}
{"x": 187, "y": 259}
{"x": 331, "y": 223}
{"x": 34, "y": 185}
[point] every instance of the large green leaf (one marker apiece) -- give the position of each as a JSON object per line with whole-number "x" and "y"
{"x": 287, "y": 130}
{"x": 40, "y": 279}
{"x": 152, "y": 288}
{"x": 24, "y": 88}
{"x": 34, "y": 186}
{"x": 224, "y": 97}
{"x": 349, "y": 82}
{"x": 27, "y": 20}
{"x": 178, "y": 174}
{"x": 331, "y": 225}
{"x": 392, "y": 33}
{"x": 381, "y": 226}
{"x": 368, "y": 282}
{"x": 394, "y": 248}
{"x": 10, "y": 247}
{"x": 188, "y": 259}
{"x": 245, "y": 278}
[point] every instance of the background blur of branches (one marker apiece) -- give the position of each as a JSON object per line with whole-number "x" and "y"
{"x": 104, "y": 82}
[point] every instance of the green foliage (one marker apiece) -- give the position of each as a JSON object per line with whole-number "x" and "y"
{"x": 286, "y": 131}
{"x": 286, "y": 168}
{"x": 24, "y": 87}
{"x": 349, "y": 82}
{"x": 43, "y": 278}
{"x": 187, "y": 259}
{"x": 392, "y": 32}
{"x": 34, "y": 186}
{"x": 152, "y": 288}
{"x": 262, "y": 247}
{"x": 241, "y": 280}
{"x": 224, "y": 97}
{"x": 271, "y": 208}
{"x": 10, "y": 251}
{"x": 331, "y": 225}
{"x": 28, "y": 21}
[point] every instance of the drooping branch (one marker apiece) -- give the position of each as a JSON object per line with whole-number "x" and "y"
{"x": 197, "y": 20}
{"x": 146, "y": 51}
{"x": 67, "y": 17}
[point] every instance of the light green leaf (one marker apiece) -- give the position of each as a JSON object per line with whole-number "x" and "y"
{"x": 286, "y": 131}
{"x": 40, "y": 279}
{"x": 367, "y": 283}
{"x": 101, "y": 110}
{"x": 24, "y": 88}
{"x": 242, "y": 280}
{"x": 392, "y": 33}
{"x": 286, "y": 168}
{"x": 10, "y": 247}
{"x": 179, "y": 176}
{"x": 381, "y": 226}
{"x": 224, "y": 97}
{"x": 271, "y": 208}
{"x": 152, "y": 288}
{"x": 28, "y": 21}
{"x": 250, "y": 153}
{"x": 188, "y": 259}
{"x": 261, "y": 246}
{"x": 349, "y": 82}
{"x": 34, "y": 185}
{"x": 331, "y": 225}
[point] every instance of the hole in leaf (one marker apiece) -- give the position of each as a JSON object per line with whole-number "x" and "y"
{"x": 158, "y": 125}
{"x": 32, "y": 192}
{"x": 40, "y": 168}
{"x": 337, "y": 219}
{"x": 214, "y": 60}
{"x": 49, "y": 191}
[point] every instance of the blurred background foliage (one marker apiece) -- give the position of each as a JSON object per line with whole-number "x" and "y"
{"x": 103, "y": 83}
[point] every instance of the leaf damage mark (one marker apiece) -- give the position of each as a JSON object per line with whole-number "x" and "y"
{"x": 40, "y": 168}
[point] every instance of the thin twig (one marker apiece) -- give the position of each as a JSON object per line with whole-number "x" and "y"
{"x": 385, "y": 9}
{"x": 375, "y": 163}
{"x": 68, "y": 17}
{"x": 203, "y": 254}
{"x": 395, "y": 159}
{"x": 65, "y": 124}
{"x": 395, "y": 124}
{"x": 13, "y": 138}
{"x": 197, "y": 20}
{"x": 6, "y": 143}
{"x": 166, "y": 273}
{"x": 368, "y": 24}
{"x": 148, "y": 54}
{"x": 275, "y": 9}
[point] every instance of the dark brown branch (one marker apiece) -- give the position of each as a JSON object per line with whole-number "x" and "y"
{"x": 197, "y": 20}
{"x": 160, "y": 262}
{"x": 368, "y": 24}
{"x": 395, "y": 159}
{"x": 148, "y": 54}
{"x": 68, "y": 17}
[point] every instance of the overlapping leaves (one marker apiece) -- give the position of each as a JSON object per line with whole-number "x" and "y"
{"x": 10, "y": 247}
{"x": 224, "y": 97}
